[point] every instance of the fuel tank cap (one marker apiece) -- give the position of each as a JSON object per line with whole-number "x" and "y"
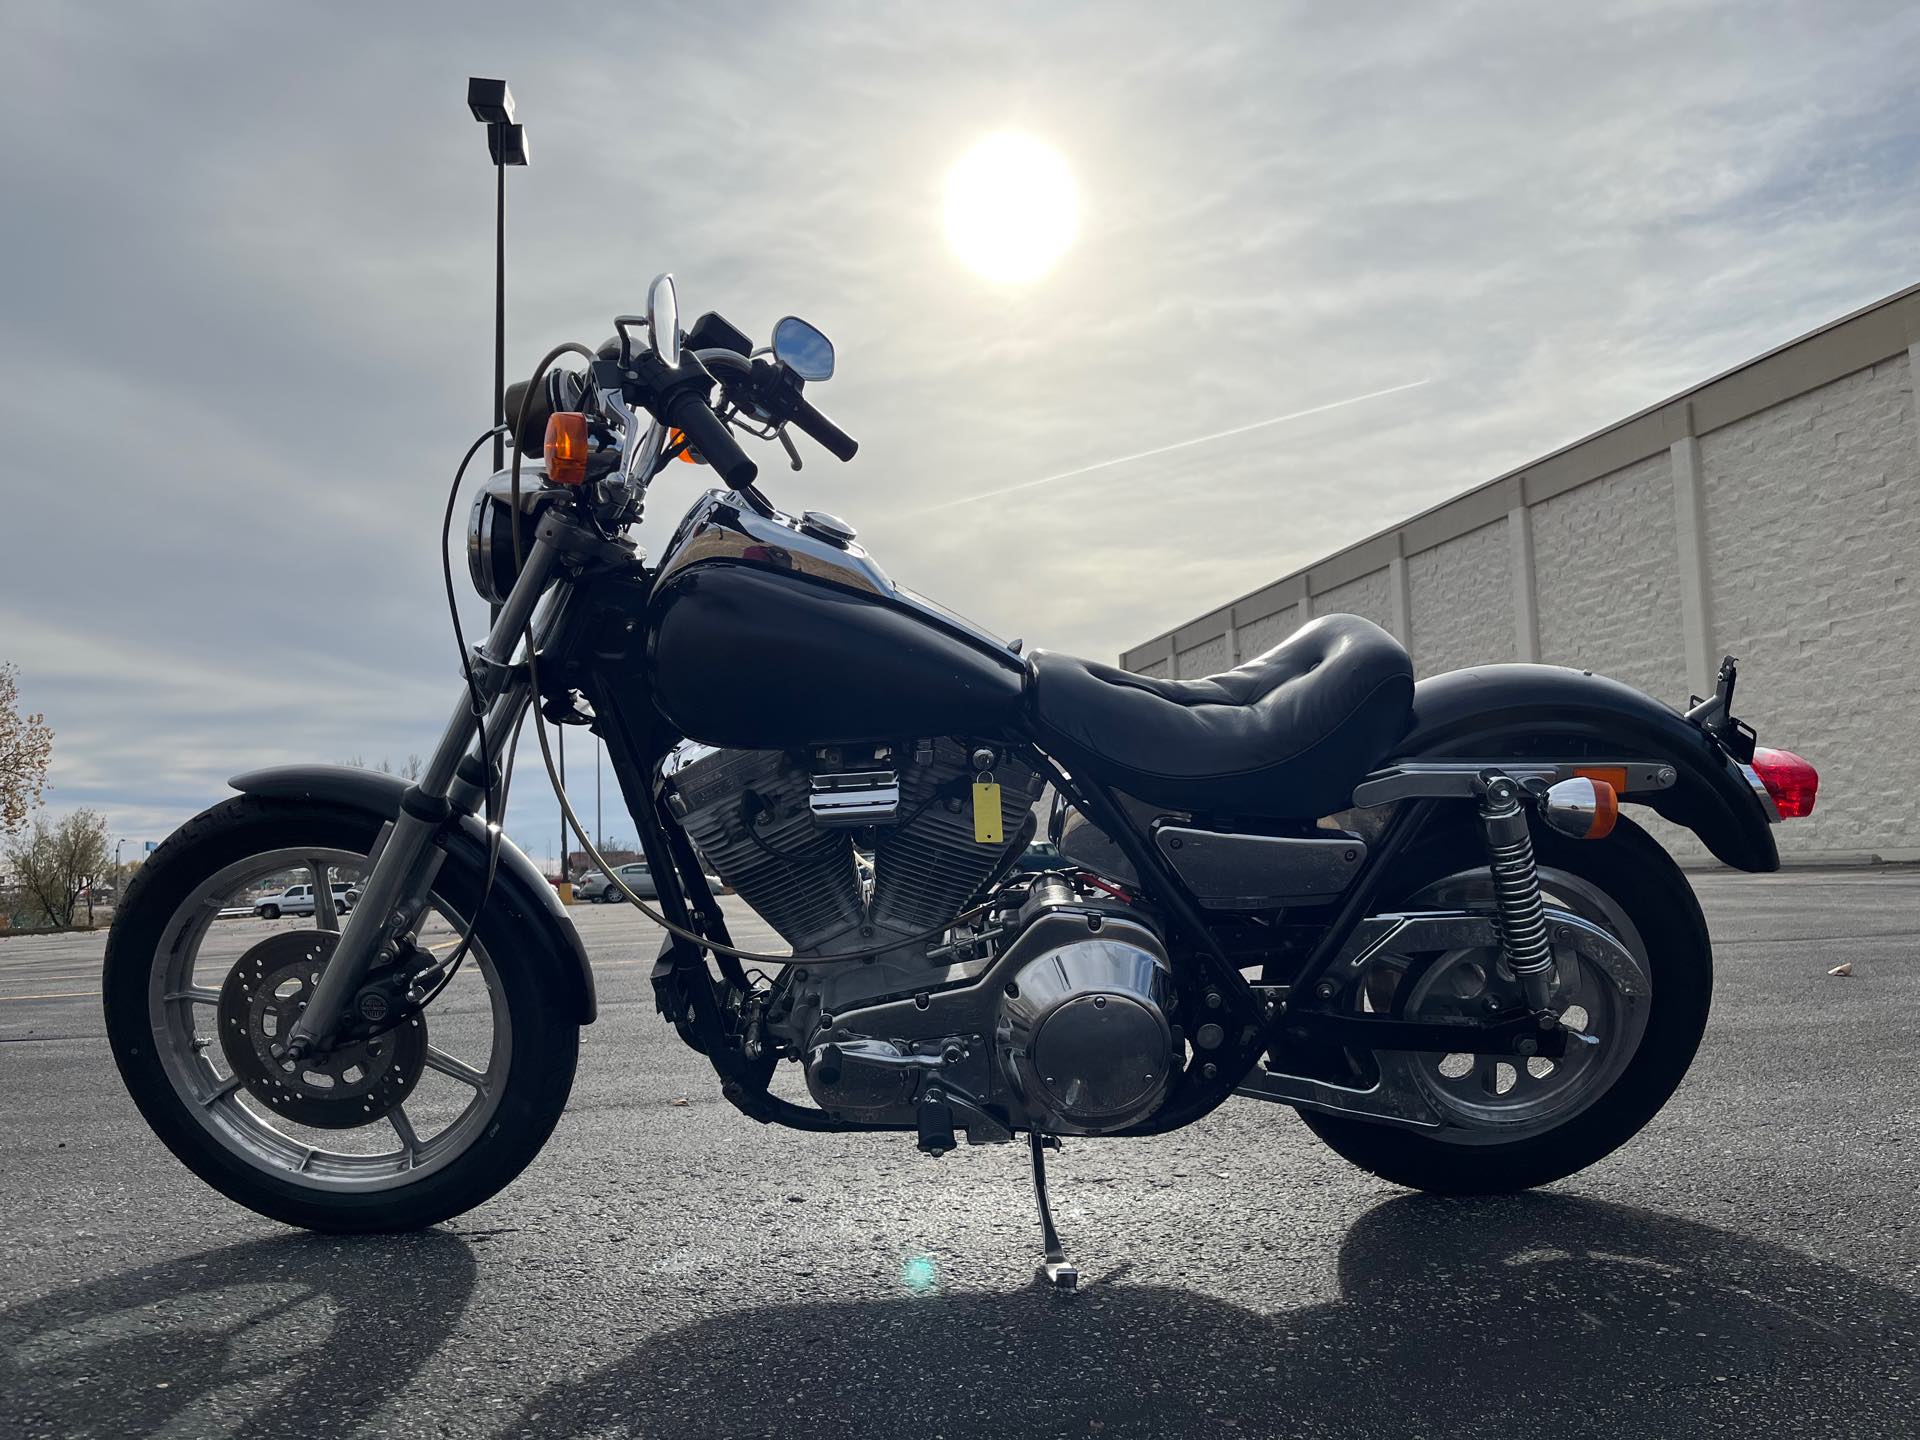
{"x": 827, "y": 527}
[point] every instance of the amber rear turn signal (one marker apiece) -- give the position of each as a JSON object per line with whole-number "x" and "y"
{"x": 1582, "y": 807}
{"x": 567, "y": 448}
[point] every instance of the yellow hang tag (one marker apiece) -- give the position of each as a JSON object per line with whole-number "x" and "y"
{"x": 986, "y": 813}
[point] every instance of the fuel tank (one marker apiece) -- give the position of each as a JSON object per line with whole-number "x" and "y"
{"x": 765, "y": 631}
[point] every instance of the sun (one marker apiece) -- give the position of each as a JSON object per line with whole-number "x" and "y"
{"x": 1011, "y": 208}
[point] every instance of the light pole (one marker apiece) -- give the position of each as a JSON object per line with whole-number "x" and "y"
{"x": 492, "y": 105}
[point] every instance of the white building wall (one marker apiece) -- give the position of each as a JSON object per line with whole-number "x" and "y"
{"x": 1367, "y": 597}
{"x": 1261, "y": 635}
{"x": 1208, "y": 658}
{"x": 1463, "y": 601}
{"x": 1813, "y": 569}
{"x": 1606, "y": 589}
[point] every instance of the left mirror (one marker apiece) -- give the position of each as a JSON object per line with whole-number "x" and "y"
{"x": 803, "y": 349}
{"x": 663, "y": 319}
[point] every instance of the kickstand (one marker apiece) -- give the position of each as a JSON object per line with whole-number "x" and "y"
{"x": 1059, "y": 1270}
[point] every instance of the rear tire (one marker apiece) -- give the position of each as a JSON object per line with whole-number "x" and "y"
{"x": 544, "y": 1040}
{"x": 1632, "y": 870}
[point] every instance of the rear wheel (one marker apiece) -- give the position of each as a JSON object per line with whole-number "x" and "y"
{"x": 397, "y": 1132}
{"x": 1512, "y": 1124}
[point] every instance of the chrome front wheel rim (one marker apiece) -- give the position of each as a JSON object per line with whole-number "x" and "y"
{"x": 393, "y": 1150}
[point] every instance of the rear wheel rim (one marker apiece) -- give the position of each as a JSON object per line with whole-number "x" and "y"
{"x": 1497, "y": 1100}
{"x": 181, "y": 1008}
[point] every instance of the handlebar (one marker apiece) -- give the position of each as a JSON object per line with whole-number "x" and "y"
{"x": 689, "y": 412}
{"x": 766, "y": 389}
{"x": 836, "y": 441}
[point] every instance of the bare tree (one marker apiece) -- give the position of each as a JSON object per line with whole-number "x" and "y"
{"x": 55, "y": 862}
{"x": 26, "y": 749}
{"x": 411, "y": 770}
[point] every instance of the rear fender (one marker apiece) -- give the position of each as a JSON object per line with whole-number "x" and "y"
{"x": 1547, "y": 711}
{"x": 518, "y": 884}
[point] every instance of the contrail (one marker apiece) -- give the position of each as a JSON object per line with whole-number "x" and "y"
{"x": 1177, "y": 445}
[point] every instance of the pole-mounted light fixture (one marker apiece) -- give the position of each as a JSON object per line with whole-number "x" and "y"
{"x": 492, "y": 105}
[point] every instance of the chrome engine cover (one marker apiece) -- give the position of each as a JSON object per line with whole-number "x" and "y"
{"x": 1063, "y": 1029}
{"x": 1083, "y": 1038}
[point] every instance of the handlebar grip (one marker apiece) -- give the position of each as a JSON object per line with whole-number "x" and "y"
{"x": 709, "y": 434}
{"x": 836, "y": 441}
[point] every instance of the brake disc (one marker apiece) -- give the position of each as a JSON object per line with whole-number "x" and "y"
{"x": 353, "y": 1083}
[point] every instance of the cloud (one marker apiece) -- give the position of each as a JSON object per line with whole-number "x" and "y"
{"x": 249, "y": 331}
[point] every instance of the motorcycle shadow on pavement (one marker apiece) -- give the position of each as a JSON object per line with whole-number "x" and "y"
{"x": 1525, "y": 1315}
{"x": 291, "y": 1335}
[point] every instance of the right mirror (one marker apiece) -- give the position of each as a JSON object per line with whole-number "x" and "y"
{"x": 803, "y": 349}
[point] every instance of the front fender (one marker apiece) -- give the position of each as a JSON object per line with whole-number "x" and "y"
{"x": 519, "y": 883}
{"x": 1542, "y": 711}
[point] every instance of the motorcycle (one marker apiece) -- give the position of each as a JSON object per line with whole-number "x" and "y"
{"x": 1414, "y": 913}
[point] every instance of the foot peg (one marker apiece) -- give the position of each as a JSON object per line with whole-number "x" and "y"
{"x": 1061, "y": 1273}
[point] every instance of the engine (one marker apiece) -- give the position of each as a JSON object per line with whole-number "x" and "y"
{"x": 1053, "y": 1015}
{"x": 780, "y": 827}
{"x": 1063, "y": 1027}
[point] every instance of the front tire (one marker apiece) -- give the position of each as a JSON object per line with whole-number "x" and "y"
{"x": 1638, "y": 877}
{"x": 156, "y": 1007}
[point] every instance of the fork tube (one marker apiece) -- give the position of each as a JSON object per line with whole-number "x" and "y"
{"x": 383, "y": 910}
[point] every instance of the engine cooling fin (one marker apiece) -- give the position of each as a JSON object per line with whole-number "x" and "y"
{"x": 750, "y": 813}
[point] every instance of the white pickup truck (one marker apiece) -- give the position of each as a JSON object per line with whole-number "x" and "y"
{"x": 298, "y": 900}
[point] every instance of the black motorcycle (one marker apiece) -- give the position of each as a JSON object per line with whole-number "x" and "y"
{"x": 1410, "y": 911}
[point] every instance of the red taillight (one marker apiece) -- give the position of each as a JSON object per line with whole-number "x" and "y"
{"x": 1791, "y": 781}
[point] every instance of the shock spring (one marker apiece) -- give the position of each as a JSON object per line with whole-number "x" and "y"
{"x": 1516, "y": 887}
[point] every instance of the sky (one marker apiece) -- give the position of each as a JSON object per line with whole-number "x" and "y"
{"x": 245, "y": 332}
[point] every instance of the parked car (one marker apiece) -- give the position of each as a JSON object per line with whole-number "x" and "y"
{"x": 298, "y": 900}
{"x": 600, "y": 890}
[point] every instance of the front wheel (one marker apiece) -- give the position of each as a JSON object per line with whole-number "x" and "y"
{"x": 398, "y": 1131}
{"x": 1512, "y": 1124}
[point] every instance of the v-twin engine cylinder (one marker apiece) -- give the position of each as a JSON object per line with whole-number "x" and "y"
{"x": 780, "y": 827}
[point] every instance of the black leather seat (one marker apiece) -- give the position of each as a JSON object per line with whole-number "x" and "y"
{"x": 1285, "y": 736}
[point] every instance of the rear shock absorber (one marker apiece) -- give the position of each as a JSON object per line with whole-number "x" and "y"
{"x": 1516, "y": 886}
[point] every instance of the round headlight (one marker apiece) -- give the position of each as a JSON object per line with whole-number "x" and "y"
{"x": 490, "y": 543}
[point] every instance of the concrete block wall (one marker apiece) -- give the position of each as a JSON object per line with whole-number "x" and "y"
{"x": 1772, "y": 512}
{"x": 1462, "y": 595}
{"x": 1813, "y": 579}
{"x": 1608, "y": 584}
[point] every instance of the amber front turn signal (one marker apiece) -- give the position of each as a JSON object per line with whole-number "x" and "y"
{"x": 567, "y": 448}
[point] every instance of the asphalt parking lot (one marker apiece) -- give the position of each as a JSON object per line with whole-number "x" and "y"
{"x": 1750, "y": 1265}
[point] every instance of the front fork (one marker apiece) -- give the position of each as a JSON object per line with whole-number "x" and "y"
{"x": 395, "y": 895}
